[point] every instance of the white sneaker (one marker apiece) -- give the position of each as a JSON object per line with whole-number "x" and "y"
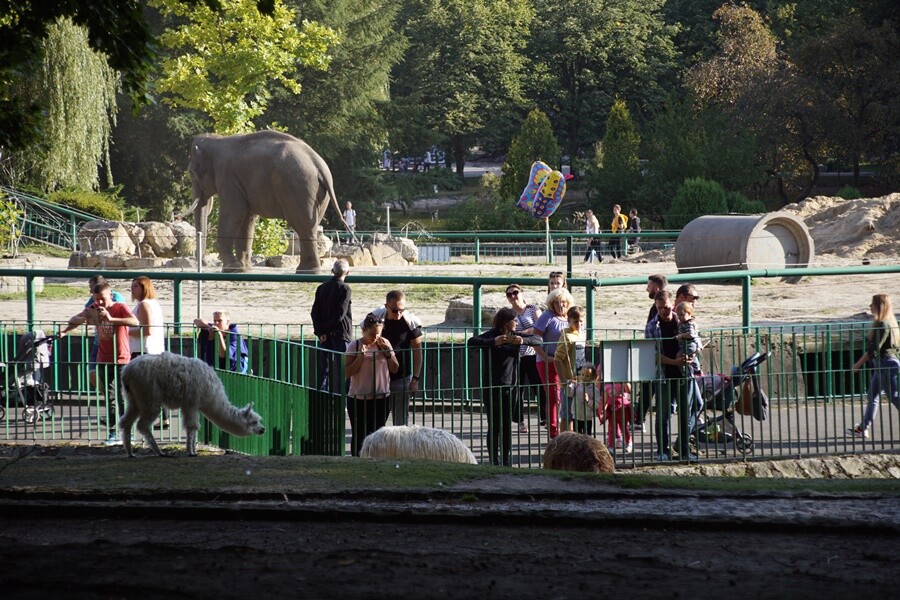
{"x": 628, "y": 448}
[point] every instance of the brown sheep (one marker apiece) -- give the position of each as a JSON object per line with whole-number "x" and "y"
{"x": 570, "y": 451}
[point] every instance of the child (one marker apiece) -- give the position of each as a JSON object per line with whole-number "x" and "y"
{"x": 588, "y": 397}
{"x": 569, "y": 358}
{"x": 617, "y": 414}
{"x": 688, "y": 338}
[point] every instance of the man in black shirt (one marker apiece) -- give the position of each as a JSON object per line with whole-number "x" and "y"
{"x": 655, "y": 284}
{"x": 404, "y": 331}
{"x": 332, "y": 325}
{"x": 674, "y": 388}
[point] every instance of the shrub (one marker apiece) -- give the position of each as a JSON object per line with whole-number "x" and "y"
{"x": 696, "y": 197}
{"x": 270, "y": 237}
{"x": 10, "y": 219}
{"x": 739, "y": 203}
{"x": 848, "y": 192}
{"x": 489, "y": 211}
{"x": 534, "y": 142}
{"x": 102, "y": 205}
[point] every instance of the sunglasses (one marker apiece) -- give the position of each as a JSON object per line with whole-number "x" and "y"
{"x": 396, "y": 311}
{"x": 512, "y": 293}
{"x": 692, "y": 297}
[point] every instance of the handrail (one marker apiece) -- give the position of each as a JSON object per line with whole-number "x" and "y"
{"x": 589, "y": 283}
{"x": 68, "y": 211}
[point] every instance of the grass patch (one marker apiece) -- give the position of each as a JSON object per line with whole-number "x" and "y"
{"x": 52, "y": 291}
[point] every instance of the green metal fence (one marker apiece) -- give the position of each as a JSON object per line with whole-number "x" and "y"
{"x": 814, "y": 396}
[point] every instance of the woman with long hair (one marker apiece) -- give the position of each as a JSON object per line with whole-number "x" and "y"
{"x": 150, "y": 336}
{"x": 883, "y": 350}
{"x": 529, "y": 379}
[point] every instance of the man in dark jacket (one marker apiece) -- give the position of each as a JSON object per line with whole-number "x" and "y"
{"x": 332, "y": 324}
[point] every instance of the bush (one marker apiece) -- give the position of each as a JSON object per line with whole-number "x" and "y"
{"x": 534, "y": 142}
{"x": 848, "y": 192}
{"x": 696, "y": 197}
{"x": 10, "y": 219}
{"x": 489, "y": 211}
{"x": 105, "y": 206}
{"x": 270, "y": 237}
{"x": 739, "y": 203}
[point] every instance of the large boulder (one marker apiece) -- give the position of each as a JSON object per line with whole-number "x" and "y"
{"x": 160, "y": 238}
{"x": 357, "y": 256}
{"x": 106, "y": 236}
{"x": 13, "y": 285}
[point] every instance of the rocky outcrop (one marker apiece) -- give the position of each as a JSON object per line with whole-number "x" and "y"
{"x": 383, "y": 250}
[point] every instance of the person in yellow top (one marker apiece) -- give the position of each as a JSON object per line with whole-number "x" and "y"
{"x": 569, "y": 358}
{"x": 619, "y": 225}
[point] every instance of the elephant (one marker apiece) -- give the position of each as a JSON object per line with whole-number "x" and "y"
{"x": 262, "y": 174}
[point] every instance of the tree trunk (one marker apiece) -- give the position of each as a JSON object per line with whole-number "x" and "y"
{"x": 459, "y": 155}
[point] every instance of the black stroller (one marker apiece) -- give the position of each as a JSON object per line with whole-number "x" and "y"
{"x": 24, "y": 383}
{"x": 718, "y": 426}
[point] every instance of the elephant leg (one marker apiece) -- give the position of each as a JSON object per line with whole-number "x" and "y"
{"x": 309, "y": 252}
{"x": 243, "y": 246}
{"x": 232, "y": 233}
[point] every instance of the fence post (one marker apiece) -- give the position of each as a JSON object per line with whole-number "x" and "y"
{"x": 176, "y": 301}
{"x": 745, "y": 300}
{"x": 477, "y": 249}
{"x": 476, "y": 307}
{"x": 569, "y": 244}
{"x": 31, "y": 300}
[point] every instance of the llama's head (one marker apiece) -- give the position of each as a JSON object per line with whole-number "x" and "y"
{"x": 251, "y": 421}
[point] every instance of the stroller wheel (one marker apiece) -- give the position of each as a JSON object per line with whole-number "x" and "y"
{"x": 45, "y": 410}
{"x": 29, "y": 415}
{"x": 743, "y": 443}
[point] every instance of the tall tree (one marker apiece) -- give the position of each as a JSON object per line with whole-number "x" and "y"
{"x": 76, "y": 89}
{"x": 616, "y": 172}
{"x": 535, "y": 142}
{"x": 587, "y": 53}
{"x": 226, "y": 60}
{"x": 463, "y": 64}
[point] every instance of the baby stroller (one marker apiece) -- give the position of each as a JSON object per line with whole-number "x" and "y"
{"x": 719, "y": 393}
{"x": 24, "y": 383}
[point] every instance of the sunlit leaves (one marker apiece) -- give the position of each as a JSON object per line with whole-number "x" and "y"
{"x": 224, "y": 62}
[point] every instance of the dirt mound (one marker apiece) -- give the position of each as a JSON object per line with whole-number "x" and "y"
{"x": 865, "y": 227}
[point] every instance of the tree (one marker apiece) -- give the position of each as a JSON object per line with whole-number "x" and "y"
{"x": 463, "y": 64}
{"x": 339, "y": 111}
{"x": 696, "y": 197}
{"x": 616, "y": 172}
{"x": 76, "y": 89}
{"x": 587, "y": 53}
{"x": 535, "y": 142}
{"x": 225, "y": 61}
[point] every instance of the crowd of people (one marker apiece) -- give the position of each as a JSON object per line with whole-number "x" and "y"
{"x": 529, "y": 352}
{"x": 618, "y": 247}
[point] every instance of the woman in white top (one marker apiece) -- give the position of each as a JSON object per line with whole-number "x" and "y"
{"x": 148, "y": 337}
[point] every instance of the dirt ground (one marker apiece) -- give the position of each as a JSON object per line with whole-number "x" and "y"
{"x": 231, "y": 558}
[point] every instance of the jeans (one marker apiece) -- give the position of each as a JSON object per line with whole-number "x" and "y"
{"x": 366, "y": 416}
{"x": 684, "y": 393}
{"x": 498, "y": 403}
{"x": 400, "y": 397}
{"x": 885, "y": 378}
{"x": 108, "y": 377}
{"x": 329, "y": 363}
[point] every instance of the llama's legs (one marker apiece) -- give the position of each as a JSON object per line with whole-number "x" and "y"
{"x": 145, "y": 427}
{"x": 191, "y": 425}
{"x": 125, "y": 424}
{"x": 192, "y": 442}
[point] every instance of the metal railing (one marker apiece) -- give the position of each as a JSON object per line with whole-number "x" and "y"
{"x": 814, "y": 397}
{"x": 47, "y": 223}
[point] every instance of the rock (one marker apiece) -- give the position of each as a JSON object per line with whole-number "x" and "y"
{"x": 160, "y": 238}
{"x": 151, "y": 262}
{"x": 357, "y": 256}
{"x": 182, "y": 262}
{"x": 283, "y": 261}
{"x": 105, "y": 236}
{"x": 186, "y": 238}
{"x": 385, "y": 254}
{"x": 14, "y": 285}
{"x": 460, "y": 309}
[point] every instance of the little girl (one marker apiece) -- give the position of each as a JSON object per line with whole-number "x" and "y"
{"x": 688, "y": 338}
{"x": 588, "y": 397}
{"x": 617, "y": 402}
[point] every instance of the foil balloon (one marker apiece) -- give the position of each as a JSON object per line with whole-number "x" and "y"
{"x": 539, "y": 171}
{"x": 549, "y": 195}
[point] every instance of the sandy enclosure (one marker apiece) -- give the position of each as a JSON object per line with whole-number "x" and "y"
{"x": 845, "y": 233}
{"x": 815, "y": 299}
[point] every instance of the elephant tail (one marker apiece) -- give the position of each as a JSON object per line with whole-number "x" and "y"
{"x": 329, "y": 187}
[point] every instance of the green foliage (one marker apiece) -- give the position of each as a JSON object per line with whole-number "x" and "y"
{"x": 684, "y": 142}
{"x": 738, "y": 203}
{"x": 489, "y": 211}
{"x": 76, "y": 89}
{"x": 615, "y": 173}
{"x": 585, "y": 54}
{"x": 270, "y": 237}
{"x": 464, "y": 64}
{"x": 696, "y": 197}
{"x": 534, "y": 142}
{"x": 10, "y": 220}
{"x": 227, "y": 59}
{"x": 848, "y": 192}
{"x": 95, "y": 203}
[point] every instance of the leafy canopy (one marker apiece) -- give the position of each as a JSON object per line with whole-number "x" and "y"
{"x": 535, "y": 142}
{"x": 224, "y": 61}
